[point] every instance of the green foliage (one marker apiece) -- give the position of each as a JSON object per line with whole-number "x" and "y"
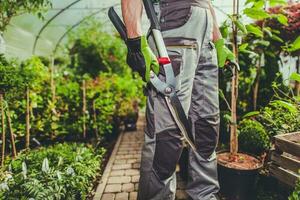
{"x": 254, "y": 30}
{"x": 114, "y": 96}
{"x": 11, "y": 8}
{"x": 253, "y": 137}
{"x": 295, "y": 45}
{"x": 296, "y": 193}
{"x": 63, "y": 171}
{"x": 280, "y": 117}
{"x": 93, "y": 50}
{"x": 259, "y": 54}
{"x": 295, "y": 77}
{"x": 256, "y": 13}
{"x": 9, "y": 76}
{"x": 34, "y": 73}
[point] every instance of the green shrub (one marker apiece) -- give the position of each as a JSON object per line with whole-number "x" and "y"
{"x": 253, "y": 137}
{"x": 64, "y": 171}
{"x": 280, "y": 117}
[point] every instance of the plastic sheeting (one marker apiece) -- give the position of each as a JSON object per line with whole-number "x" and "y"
{"x": 27, "y": 35}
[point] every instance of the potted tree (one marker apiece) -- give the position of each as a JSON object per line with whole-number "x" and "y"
{"x": 237, "y": 171}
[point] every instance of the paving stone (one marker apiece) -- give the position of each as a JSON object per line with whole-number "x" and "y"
{"x": 122, "y": 152}
{"x": 117, "y": 172}
{"x": 120, "y": 161}
{"x": 119, "y": 179}
{"x": 130, "y": 161}
{"x": 131, "y": 172}
{"x": 128, "y": 156}
{"x": 120, "y": 157}
{"x": 122, "y": 183}
{"x": 113, "y": 188}
{"x": 133, "y": 196}
{"x": 122, "y": 196}
{"x": 136, "y": 187}
{"x": 136, "y": 166}
{"x": 121, "y": 166}
{"x": 181, "y": 184}
{"x": 181, "y": 194}
{"x": 108, "y": 196}
{"x": 135, "y": 179}
{"x": 128, "y": 187}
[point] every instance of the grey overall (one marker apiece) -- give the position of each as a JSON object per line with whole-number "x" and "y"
{"x": 187, "y": 31}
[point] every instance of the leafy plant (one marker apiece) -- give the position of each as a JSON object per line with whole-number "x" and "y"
{"x": 280, "y": 117}
{"x": 93, "y": 50}
{"x": 63, "y": 171}
{"x": 296, "y": 193}
{"x": 252, "y": 137}
{"x": 10, "y": 9}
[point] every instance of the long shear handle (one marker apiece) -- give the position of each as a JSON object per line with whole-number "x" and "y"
{"x": 118, "y": 23}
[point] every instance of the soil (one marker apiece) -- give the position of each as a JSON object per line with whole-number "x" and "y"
{"x": 239, "y": 161}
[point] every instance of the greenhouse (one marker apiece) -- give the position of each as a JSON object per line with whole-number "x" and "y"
{"x": 150, "y": 99}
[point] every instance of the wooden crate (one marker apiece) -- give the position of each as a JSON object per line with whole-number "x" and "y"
{"x": 285, "y": 158}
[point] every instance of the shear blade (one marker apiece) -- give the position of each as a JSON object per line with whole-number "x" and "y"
{"x": 180, "y": 119}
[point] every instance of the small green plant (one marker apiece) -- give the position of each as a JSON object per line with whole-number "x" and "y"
{"x": 280, "y": 117}
{"x": 296, "y": 193}
{"x": 252, "y": 137}
{"x": 64, "y": 171}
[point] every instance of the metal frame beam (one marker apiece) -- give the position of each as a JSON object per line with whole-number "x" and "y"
{"x": 74, "y": 26}
{"x": 49, "y": 21}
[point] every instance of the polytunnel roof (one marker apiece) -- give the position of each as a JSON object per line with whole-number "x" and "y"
{"x": 27, "y": 34}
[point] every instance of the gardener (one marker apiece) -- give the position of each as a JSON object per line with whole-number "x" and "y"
{"x": 191, "y": 33}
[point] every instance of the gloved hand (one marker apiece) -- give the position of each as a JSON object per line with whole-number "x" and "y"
{"x": 141, "y": 58}
{"x": 223, "y": 53}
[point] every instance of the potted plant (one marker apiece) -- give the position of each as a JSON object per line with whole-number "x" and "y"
{"x": 131, "y": 117}
{"x": 237, "y": 171}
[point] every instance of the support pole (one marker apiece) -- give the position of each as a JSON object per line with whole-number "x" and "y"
{"x": 297, "y": 83}
{"x": 53, "y": 91}
{"x": 27, "y": 139}
{"x": 84, "y": 108}
{"x": 12, "y": 137}
{"x": 234, "y": 84}
{"x": 95, "y": 119}
{"x": 3, "y": 129}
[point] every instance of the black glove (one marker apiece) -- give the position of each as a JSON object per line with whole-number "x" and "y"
{"x": 141, "y": 58}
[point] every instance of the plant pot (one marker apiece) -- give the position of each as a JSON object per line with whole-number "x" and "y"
{"x": 130, "y": 121}
{"x": 238, "y": 184}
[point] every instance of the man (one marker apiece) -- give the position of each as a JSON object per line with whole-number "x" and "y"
{"x": 190, "y": 32}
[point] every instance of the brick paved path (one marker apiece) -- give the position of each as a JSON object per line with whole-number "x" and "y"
{"x": 121, "y": 176}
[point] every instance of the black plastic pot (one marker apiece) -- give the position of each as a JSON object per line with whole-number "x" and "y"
{"x": 237, "y": 184}
{"x": 130, "y": 122}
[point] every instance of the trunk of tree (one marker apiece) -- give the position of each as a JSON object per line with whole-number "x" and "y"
{"x": 3, "y": 129}
{"x": 27, "y": 139}
{"x": 84, "y": 108}
{"x": 12, "y": 137}
{"x": 95, "y": 119}
{"x": 297, "y": 84}
{"x": 256, "y": 84}
{"x": 234, "y": 87}
{"x": 53, "y": 92}
{"x": 233, "y": 125}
